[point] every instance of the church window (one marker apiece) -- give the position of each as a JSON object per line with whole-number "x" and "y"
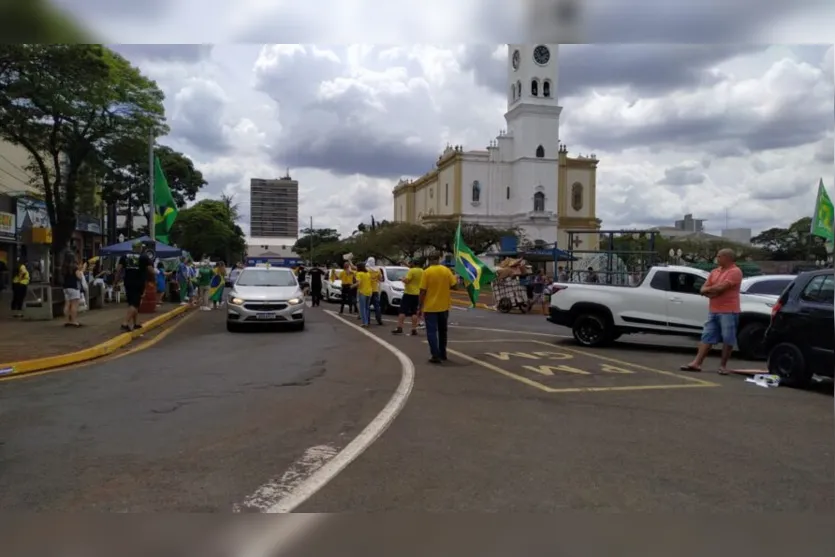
{"x": 546, "y": 89}
{"x": 540, "y": 152}
{"x": 446, "y": 194}
{"x": 508, "y": 192}
{"x": 535, "y": 87}
{"x": 577, "y": 196}
{"x": 519, "y": 89}
{"x": 512, "y": 92}
{"x": 539, "y": 202}
{"x": 476, "y": 192}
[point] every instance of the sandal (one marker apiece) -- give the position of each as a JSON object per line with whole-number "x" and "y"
{"x": 690, "y": 367}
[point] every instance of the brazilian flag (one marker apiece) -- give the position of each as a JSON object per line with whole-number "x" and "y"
{"x": 470, "y": 268}
{"x": 216, "y": 287}
{"x": 165, "y": 209}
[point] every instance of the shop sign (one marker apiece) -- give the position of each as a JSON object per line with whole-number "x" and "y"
{"x": 34, "y": 211}
{"x": 8, "y": 229}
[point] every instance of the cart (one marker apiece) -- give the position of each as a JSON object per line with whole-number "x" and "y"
{"x": 509, "y": 293}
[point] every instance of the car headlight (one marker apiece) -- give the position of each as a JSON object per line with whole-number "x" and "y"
{"x": 236, "y": 301}
{"x": 295, "y": 301}
{"x": 397, "y": 289}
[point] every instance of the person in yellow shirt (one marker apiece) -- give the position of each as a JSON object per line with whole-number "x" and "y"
{"x": 411, "y": 299}
{"x": 364, "y": 291}
{"x": 435, "y": 300}
{"x": 20, "y": 284}
{"x": 376, "y": 275}
{"x": 348, "y": 278}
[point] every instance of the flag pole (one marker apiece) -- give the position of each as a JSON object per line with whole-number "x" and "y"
{"x": 152, "y": 210}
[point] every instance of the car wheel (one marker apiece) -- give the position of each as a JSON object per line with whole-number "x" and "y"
{"x": 592, "y": 329}
{"x": 385, "y": 308}
{"x": 786, "y": 361}
{"x": 751, "y": 341}
{"x": 233, "y": 327}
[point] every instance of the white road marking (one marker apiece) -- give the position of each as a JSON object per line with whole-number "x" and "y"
{"x": 514, "y": 331}
{"x": 279, "y": 488}
{"x": 273, "y": 500}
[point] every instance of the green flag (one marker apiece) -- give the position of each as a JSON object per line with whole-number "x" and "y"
{"x": 475, "y": 273}
{"x": 165, "y": 210}
{"x": 822, "y": 220}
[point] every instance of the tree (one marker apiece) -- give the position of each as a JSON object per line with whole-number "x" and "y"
{"x": 65, "y": 103}
{"x": 231, "y": 205}
{"x": 314, "y": 238}
{"x": 207, "y": 228}
{"x": 478, "y": 238}
{"x": 794, "y": 243}
{"x": 125, "y": 181}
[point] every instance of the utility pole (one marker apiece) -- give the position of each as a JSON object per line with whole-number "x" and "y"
{"x": 311, "y": 241}
{"x": 152, "y": 210}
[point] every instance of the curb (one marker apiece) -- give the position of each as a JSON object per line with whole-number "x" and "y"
{"x": 87, "y": 354}
{"x": 462, "y": 303}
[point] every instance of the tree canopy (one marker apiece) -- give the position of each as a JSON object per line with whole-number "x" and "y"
{"x": 794, "y": 243}
{"x": 65, "y": 104}
{"x": 208, "y": 228}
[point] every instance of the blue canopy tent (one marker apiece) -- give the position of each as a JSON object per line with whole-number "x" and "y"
{"x": 162, "y": 250}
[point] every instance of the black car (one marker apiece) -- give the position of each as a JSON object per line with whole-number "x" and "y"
{"x": 801, "y": 337}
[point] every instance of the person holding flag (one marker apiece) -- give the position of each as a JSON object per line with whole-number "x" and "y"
{"x": 472, "y": 271}
{"x": 216, "y": 285}
{"x": 165, "y": 208}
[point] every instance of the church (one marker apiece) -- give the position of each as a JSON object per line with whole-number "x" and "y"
{"x": 524, "y": 178}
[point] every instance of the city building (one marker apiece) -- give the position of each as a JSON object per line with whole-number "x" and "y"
{"x": 738, "y": 235}
{"x": 524, "y": 178}
{"x": 274, "y": 208}
{"x": 689, "y": 224}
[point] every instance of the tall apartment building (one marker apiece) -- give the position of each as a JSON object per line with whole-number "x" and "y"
{"x": 689, "y": 224}
{"x": 274, "y": 208}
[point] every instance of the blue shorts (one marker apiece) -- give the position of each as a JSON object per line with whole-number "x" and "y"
{"x": 720, "y": 328}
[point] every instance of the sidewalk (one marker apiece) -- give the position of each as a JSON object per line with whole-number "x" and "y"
{"x": 26, "y": 340}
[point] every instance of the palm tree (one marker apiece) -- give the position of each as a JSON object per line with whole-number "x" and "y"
{"x": 231, "y": 206}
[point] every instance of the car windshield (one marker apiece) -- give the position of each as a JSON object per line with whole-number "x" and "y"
{"x": 264, "y": 277}
{"x": 396, "y": 273}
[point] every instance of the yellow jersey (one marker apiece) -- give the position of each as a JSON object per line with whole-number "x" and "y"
{"x": 412, "y": 282}
{"x": 347, "y": 277}
{"x": 22, "y": 276}
{"x": 364, "y": 283}
{"x": 437, "y": 281}
{"x": 376, "y": 276}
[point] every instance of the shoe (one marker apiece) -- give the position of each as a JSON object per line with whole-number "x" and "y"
{"x": 414, "y": 332}
{"x": 125, "y": 328}
{"x": 397, "y": 331}
{"x": 434, "y": 360}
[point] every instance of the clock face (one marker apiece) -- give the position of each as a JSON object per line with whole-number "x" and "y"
{"x": 541, "y": 55}
{"x": 517, "y": 58}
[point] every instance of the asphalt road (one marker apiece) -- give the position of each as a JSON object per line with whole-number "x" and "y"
{"x": 195, "y": 423}
{"x": 519, "y": 419}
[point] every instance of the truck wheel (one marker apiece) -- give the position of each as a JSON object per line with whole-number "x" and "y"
{"x": 592, "y": 329}
{"x": 787, "y": 361}
{"x": 751, "y": 341}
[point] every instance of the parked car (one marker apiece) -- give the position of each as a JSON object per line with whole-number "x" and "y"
{"x": 766, "y": 285}
{"x": 391, "y": 288}
{"x": 666, "y": 301}
{"x": 801, "y": 337}
{"x": 332, "y": 290}
{"x": 265, "y": 295}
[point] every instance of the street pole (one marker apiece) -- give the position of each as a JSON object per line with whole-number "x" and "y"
{"x": 152, "y": 210}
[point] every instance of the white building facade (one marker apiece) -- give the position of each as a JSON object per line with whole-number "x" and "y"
{"x": 524, "y": 178}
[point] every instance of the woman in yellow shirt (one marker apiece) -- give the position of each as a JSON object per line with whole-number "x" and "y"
{"x": 348, "y": 277}
{"x": 364, "y": 291}
{"x": 20, "y": 284}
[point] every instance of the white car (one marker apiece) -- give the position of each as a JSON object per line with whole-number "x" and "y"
{"x": 265, "y": 295}
{"x": 391, "y": 288}
{"x": 332, "y": 290}
{"x": 766, "y": 285}
{"x": 666, "y": 302}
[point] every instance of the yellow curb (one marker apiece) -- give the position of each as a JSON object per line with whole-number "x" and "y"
{"x": 92, "y": 353}
{"x": 467, "y": 304}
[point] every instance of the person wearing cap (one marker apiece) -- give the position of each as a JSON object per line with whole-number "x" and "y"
{"x": 134, "y": 270}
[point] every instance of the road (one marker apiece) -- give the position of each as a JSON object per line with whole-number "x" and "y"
{"x": 519, "y": 419}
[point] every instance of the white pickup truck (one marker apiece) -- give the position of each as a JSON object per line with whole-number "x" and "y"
{"x": 666, "y": 302}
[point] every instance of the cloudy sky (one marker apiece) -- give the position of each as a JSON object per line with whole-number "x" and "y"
{"x": 701, "y": 129}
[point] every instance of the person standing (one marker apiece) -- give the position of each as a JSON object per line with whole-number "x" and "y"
{"x": 233, "y": 274}
{"x": 20, "y": 285}
{"x": 538, "y": 286}
{"x": 316, "y": 274}
{"x": 302, "y": 276}
{"x": 134, "y": 270}
{"x": 348, "y": 277}
{"x": 204, "y": 282}
{"x": 722, "y": 289}
{"x": 161, "y": 279}
{"x": 410, "y": 301}
{"x": 217, "y": 285}
{"x": 376, "y": 275}
{"x": 71, "y": 283}
{"x": 364, "y": 291}
{"x": 435, "y": 301}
